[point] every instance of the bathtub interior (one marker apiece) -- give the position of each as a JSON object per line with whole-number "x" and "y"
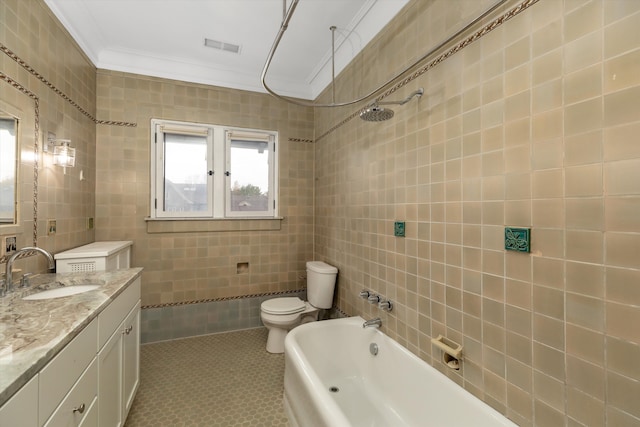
{"x": 392, "y": 388}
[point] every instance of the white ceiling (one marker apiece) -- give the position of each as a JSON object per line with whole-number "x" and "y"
{"x": 165, "y": 38}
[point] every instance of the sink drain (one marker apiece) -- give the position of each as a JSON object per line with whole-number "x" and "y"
{"x": 334, "y": 389}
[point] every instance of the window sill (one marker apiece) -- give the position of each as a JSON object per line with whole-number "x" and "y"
{"x": 179, "y": 225}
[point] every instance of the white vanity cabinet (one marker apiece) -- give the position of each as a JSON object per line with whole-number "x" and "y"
{"x": 92, "y": 381}
{"x": 20, "y": 410}
{"x": 119, "y": 357}
{"x": 80, "y": 406}
{"x": 64, "y": 393}
{"x": 68, "y": 384}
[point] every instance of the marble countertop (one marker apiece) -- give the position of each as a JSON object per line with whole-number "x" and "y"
{"x": 33, "y": 332}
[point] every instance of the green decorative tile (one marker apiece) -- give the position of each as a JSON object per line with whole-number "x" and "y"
{"x": 517, "y": 239}
{"x": 398, "y": 228}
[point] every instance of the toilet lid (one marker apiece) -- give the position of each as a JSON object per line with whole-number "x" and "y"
{"x": 286, "y": 305}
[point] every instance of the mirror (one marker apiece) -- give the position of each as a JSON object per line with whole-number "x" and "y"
{"x": 8, "y": 169}
{"x": 19, "y": 108}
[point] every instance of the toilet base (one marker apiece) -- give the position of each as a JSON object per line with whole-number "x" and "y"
{"x": 275, "y": 340}
{"x": 278, "y": 330}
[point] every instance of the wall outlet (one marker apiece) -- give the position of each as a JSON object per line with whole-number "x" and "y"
{"x": 89, "y": 223}
{"x": 51, "y": 227}
{"x": 9, "y": 245}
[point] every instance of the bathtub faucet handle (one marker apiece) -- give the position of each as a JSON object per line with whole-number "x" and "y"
{"x": 385, "y": 305}
{"x": 374, "y": 299}
{"x": 364, "y": 293}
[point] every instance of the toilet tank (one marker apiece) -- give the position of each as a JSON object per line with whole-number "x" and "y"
{"x": 321, "y": 282}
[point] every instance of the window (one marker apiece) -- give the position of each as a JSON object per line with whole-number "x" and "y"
{"x": 250, "y": 189}
{"x": 211, "y": 171}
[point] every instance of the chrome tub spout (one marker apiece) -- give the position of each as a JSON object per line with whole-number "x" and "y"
{"x": 373, "y": 323}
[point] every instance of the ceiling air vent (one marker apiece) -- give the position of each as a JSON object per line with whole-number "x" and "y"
{"x": 217, "y": 44}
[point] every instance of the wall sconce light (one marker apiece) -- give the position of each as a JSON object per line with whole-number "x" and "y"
{"x": 63, "y": 154}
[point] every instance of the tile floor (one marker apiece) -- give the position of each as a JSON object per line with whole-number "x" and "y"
{"x": 225, "y": 379}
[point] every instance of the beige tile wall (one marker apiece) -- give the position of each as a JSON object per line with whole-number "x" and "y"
{"x": 30, "y": 31}
{"x": 535, "y": 125}
{"x": 200, "y": 264}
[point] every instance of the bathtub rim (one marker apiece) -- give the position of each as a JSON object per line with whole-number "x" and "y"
{"x": 327, "y": 405}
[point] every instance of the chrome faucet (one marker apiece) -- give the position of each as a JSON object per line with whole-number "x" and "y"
{"x": 8, "y": 275}
{"x": 373, "y": 323}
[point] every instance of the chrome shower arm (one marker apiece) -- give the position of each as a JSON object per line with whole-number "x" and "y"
{"x": 417, "y": 93}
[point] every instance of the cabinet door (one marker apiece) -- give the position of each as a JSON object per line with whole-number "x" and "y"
{"x": 131, "y": 357}
{"x": 110, "y": 371}
{"x": 22, "y": 408}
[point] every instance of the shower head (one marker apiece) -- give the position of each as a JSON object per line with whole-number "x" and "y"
{"x": 375, "y": 113}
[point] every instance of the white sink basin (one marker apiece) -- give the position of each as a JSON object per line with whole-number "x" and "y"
{"x": 62, "y": 292}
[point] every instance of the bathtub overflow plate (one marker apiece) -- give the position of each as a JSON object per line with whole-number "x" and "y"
{"x": 334, "y": 389}
{"x": 373, "y": 348}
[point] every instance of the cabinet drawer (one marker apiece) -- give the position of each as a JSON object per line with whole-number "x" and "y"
{"x": 82, "y": 398}
{"x": 20, "y": 409}
{"x": 91, "y": 416}
{"x": 57, "y": 378}
{"x": 112, "y": 316}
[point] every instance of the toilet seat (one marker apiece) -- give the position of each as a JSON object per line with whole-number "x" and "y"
{"x": 283, "y": 306}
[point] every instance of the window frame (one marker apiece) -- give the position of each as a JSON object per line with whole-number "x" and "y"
{"x": 218, "y": 160}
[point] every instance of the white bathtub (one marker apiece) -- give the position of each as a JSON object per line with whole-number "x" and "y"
{"x": 394, "y": 388}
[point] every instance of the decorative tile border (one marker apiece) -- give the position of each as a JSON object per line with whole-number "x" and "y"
{"x": 441, "y": 58}
{"x": 200, "y": 301}
{"x": 58, "y": 92}
{"x": 300, "y": 140}
{"x": 339, "y": 312}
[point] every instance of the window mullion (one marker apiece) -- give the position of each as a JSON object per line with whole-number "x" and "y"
{"x": 219, "y": 168}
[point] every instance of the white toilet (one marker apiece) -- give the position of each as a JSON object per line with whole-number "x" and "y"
{"x": 280, "y": 315}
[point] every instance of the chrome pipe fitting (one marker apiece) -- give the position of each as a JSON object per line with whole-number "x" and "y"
{"x": 364, "y": 293}
{"x": 385, "y": 305}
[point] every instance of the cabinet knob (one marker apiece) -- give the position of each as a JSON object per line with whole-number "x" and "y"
{"x": 79, "y": 409}
{"x": 128, "y": 330}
